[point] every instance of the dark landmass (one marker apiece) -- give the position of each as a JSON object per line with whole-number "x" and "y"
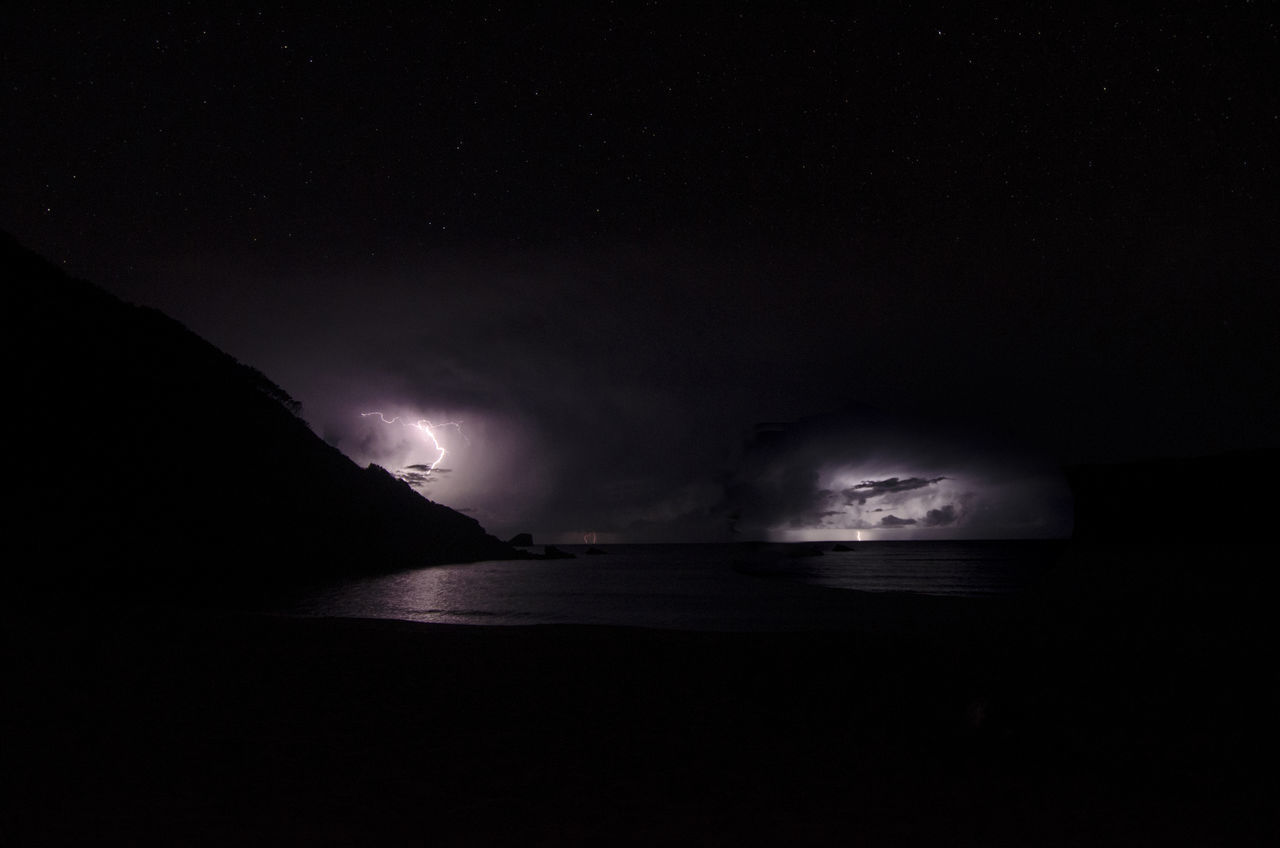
{"x": 1155, "y": 540}
{"x": 1179, "y": 500}
{"x": 521, "y": 540}
{"x": 142, "y": 453}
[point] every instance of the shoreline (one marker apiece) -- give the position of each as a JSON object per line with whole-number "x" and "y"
{"x": 154, "y": 727}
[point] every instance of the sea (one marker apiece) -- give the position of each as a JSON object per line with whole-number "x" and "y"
{"x": 710, "y": 587}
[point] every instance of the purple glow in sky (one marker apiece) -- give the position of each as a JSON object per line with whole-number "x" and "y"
{"x": 615, "y": 243}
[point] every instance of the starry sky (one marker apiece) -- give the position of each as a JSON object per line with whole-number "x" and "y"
{"x": 673, "y": 273}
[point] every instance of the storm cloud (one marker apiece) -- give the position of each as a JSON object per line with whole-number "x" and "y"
{"x": 418, "y": 475}
{"x": 940, "y": 517}
{"x": 875, "y": 488}
{"x": 587, "y": 425}
{"x": 610, "y": 312}
{"x": 817, "y": 478}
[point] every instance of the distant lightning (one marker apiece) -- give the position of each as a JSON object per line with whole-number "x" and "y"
{"x": 427, "y": 428}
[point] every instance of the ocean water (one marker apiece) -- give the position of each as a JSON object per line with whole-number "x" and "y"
{"x": 694, "y": 587}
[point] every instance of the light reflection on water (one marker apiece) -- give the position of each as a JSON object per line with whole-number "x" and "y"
{"x": 709, "y": 587}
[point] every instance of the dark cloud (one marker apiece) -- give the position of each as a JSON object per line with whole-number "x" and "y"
{"x": 791, "y": 495}
{"x": 940, "y": 517}
{"x": 415, "y": 479}
{"x": 875, "y": 488}
{"x": 419, "y": 476}
{"x": 958, "y": 482}
{"x": 619, "y": 389}
{"x": 609, "y": 311}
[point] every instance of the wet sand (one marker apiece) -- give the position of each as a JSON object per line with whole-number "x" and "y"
{"x": 211, "y": 728}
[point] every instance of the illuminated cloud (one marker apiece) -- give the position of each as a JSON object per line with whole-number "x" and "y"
{"x": 588, "y": 424}
{"x": 419, "y": 475}
{"x": 835, "y": 475}
{"x": 875, "y": 488}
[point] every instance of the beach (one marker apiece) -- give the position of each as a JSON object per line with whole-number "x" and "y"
{"x": 157, "y": 727}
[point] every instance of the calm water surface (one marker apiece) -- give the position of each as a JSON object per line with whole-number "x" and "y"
{"x": 705, "y": 587}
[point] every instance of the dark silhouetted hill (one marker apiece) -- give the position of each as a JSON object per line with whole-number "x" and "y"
{"x": 141, "y": 449}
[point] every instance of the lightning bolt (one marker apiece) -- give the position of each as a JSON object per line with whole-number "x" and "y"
{"x": 428, "y": 429}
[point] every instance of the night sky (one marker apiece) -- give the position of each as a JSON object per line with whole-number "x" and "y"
{"x": 678, "y": 274}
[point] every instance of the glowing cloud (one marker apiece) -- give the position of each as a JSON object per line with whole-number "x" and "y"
{"x": 834, "y": 476}
{"x": 420, "y": 474}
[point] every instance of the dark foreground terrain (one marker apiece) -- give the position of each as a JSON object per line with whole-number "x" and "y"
{"x": 1097, "y": 724}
